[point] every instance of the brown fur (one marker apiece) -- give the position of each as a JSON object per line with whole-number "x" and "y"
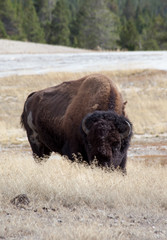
{"x": 52, "y": 117}
{"x": 96, "y": 92}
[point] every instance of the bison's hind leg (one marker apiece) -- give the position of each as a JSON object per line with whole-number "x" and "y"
{"x": 41, "y": 154}
{"x": 40, "y": 151}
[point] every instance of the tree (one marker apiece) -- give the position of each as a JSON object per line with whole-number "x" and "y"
{"x": 150, "y": 44}
{"x": 9, "y": 19}
{"x": 59, "y": 28}
{"x": 74, "y": 6}
{"x": 113, "y": 5}
{"x": 129, "y": 9}
{"x": 31, "y": 24}
{"x": 140, "y": 23}
{"x": 129, "y": 37}
{"x": 3, "y": 33}
{"x": 97, "y": 26}
{"x": 44, "y": 9}
{"x": 160, "y": 27}
{"x": 18, "y": 9}
{"x": 106, "y": 24}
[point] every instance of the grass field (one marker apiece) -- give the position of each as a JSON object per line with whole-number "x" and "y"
{"x": 145, "y": 92}
{"x": 72, "y": 201}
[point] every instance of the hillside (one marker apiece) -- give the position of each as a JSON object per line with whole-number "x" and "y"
{"x": 104, "y": 24}
{"x": 18, "y": 47}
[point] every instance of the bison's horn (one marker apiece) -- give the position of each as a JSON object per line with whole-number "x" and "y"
{"x": 85, "y": 129}
{"x": 128, "y": 131}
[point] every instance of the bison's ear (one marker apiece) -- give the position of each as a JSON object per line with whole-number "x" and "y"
{"x": 88, "y": 121}
{"x": 84, "y": 127}
{"x": 125, "y": 129}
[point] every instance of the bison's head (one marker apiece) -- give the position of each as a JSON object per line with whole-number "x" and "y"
{"x": 106, "y": 137}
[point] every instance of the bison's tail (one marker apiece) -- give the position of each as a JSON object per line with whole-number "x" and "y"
{"x": 22, "y": 120}
{"x": 23, "y": 115}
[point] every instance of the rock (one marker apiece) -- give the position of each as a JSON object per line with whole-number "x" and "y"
{"x": 20, "y": 201}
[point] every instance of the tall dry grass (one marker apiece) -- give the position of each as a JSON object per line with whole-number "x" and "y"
{"x": 88, "y": 203}
{"x": 60, "y": 181}
{"x": 145, "y": 92}
{"x": 72, "y": 201}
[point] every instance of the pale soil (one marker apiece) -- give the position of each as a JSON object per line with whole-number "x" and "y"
{"x": 82, "y": 222}
{"x": 18, "y": 47}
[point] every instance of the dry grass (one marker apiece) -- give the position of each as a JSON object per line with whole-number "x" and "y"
{"x": 145, "y": 92}
{"x": 73, "y": 201}
{"x": 72, "y": 184}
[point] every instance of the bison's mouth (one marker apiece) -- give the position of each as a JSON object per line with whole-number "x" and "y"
{"x": 104, "y": 162}
{"x": 109, "y": 163}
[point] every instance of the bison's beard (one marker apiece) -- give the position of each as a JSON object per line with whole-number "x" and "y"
{"x": 111, "y": 159}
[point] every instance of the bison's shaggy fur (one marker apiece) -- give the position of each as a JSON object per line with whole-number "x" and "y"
{"x": 84, "y": 116}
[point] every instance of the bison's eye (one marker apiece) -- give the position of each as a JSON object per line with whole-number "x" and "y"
{"x": 115, "y": 144}
{"x": 89, "y": 146}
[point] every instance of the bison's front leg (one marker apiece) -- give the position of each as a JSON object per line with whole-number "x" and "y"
{"x": 66, "y": 150}
{"x": 123, "y": 165}
{"x": 74, "y": 151}
{"x": 69, "y": 149}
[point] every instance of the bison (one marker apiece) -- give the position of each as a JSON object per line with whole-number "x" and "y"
{"x": 85, "y": 116}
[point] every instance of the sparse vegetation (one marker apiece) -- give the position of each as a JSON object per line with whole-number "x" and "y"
{"x": 73, "y": 201}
